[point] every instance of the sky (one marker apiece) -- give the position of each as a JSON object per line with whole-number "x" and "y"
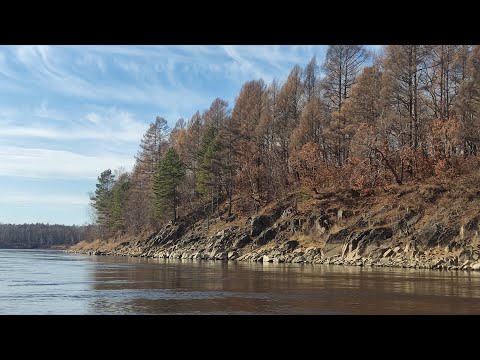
{"x": 69, "y": 112}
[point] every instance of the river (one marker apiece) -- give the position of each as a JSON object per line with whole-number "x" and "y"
{"x": 53, "y": 282}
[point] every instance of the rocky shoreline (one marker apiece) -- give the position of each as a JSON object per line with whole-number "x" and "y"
{"x": 339, "y": 238}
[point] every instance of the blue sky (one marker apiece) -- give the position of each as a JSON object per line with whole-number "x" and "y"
{"x": 69, "y": 112}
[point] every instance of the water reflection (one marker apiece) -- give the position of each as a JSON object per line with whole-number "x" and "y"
{"x": 158, "y": 286}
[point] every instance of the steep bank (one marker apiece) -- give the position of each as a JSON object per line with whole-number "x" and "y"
{"x": 435, "y": 225}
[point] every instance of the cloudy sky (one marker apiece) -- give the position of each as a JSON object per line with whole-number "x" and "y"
{"x": 69, "y": 112}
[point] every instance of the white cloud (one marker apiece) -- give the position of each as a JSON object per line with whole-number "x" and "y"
{"x": 93, "y": 118}
{"x": 48, "y": 65}
{"x": 108, "y": 124}
{"x": 24, "y": 198}
{"x": 44, "y": 111}
{"x": 45, "y": 163}
{"x": 128, "y": 66}
{"x": 92, "y": 61}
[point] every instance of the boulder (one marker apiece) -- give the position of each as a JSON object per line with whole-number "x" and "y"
{"x": 221, "y": 256}
{"x": 290, "y": 245}
{"x": 298, "y": 259}
{"x": 476, "y": 266}
{"x": 388, "y": 253}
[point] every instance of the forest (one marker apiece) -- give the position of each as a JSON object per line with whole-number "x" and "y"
{"x": 32, "y": 236}
{"x": 358, "y": 120}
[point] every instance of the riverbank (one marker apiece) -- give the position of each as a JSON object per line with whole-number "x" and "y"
{"x": 432, "y": 226}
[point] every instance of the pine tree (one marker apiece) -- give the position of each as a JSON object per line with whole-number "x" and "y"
{"x": 102, "y": 200}
{"x": 119, "y": 197}
{"x": 167, "y": 178}
{"x": 207, "y": 161}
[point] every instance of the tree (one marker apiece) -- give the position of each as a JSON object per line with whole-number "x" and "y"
{"x": 468, "y": 101}
{"x": 102, "y": 199}
{"x": 217, "y": 113}
{"x": 152, "y": 145}
{"x": 405, "y": 68}
{"x": 152, "y": 148}
{"x": 119, "y": 200}
{"x": 209, "y": 167}
{"x": 246, "y": 116}
{"x": 310, "y": 79}
{"x": 168, "y": 177}
{"x": 341, "y": 66}
{"x": 227, "y": 138}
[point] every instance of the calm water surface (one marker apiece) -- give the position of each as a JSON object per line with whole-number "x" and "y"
{"x": 52, "y": 282}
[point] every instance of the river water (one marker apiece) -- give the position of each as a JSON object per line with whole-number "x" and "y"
{"x": 53, "y": 282}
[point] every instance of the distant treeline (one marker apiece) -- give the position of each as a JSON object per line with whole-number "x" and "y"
{"x": 31, "y": 236}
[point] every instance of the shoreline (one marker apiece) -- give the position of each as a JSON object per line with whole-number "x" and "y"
{"x": 394, "y": 256}
{"x": 364, "y": 262}
{"x": 427, "y": 227}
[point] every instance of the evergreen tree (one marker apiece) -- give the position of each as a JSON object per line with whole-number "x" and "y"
{"x": 208, "y": 161}
{"x": 119, "y": 197}
{"x": 102, "y": 200}
{"x": 168, "y": 177}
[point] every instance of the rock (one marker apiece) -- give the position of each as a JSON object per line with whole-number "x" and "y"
{"x": 266, "y": 236}
{"x": 221, "y": 233}
{"x": 295, "y": 224}
{"x": 476, "y": 266}
{"x": 242, "y": 241}
{"x": 267, "y": 259}
{"x": 232, "y": 255}
{"x": 257, "y": 257}
{"x": 287, "y": 213}
{"x": 258, "y": 224}
{"x": 465, "y": 255}
{"x": 388, "y": 253}
{"x": 298, "y": 251}
{"x": 298, "y": 259}
{"x": 221, "y": 256}
{"x": 290, "y": 245}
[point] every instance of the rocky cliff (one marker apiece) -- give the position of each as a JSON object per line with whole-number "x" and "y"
{"x": 433, "y": 226}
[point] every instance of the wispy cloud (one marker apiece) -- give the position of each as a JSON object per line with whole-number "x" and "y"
{"x": 24, "y": 198}
{"x": 110, "y": 124}
{"x": 44, "y": 111}
{"x": 69, "y": 112}
{"x": 59, "y": 164}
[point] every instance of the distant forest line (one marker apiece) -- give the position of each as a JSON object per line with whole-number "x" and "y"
{"x": 33, "y": 236}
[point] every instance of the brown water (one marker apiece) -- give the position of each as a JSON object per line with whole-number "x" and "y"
{"x": 52, "y": 282}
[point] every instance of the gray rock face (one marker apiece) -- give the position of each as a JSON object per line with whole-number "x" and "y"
{"x": 367, "y": 240}
{"x": 258, "y": 224}
{"x": 242, "y": 241}
{"x": 265, "y": 237}
{"x": 289, "y": 245}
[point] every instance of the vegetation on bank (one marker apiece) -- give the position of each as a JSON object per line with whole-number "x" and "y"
{"x": 31, "y": 236}
{"x": 368, "y": 123}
